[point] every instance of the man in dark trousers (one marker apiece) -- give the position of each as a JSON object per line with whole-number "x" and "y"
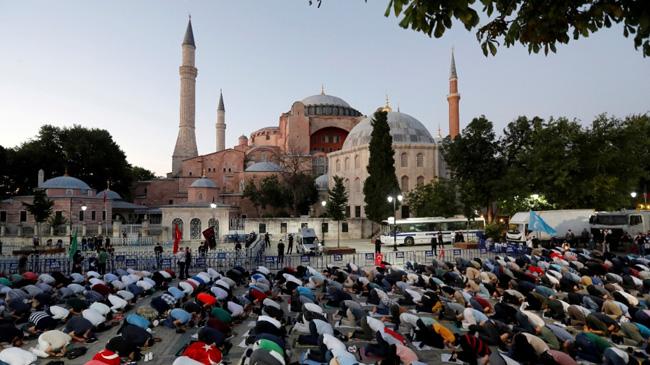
{"x": 377, "y": 245}
{"x": 280, "y": 251}
{"x": 158, "y": 250}
{"x": 290, "y": 244}
{"x": 267, "y": 239}
{"x": 188, "y": 261}
{"x": 434, "y": 245}
{"x": 440, "y": 242}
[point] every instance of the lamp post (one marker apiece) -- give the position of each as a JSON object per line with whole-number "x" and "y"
{"x": 633, "y": 195}
{"x": 322, "y": 225}
{"x": 83, "y": 220}
{"x": 394, "y": 200}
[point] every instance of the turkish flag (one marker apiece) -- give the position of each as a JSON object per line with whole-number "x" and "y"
{"x": 177, "y": 237}
{"x": 203, "y": 353}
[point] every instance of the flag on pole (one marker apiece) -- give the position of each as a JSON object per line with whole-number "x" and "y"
{"x": 537, "y": 224}
{"x": 177, "y": 237}
{"x": 73, "y": 245}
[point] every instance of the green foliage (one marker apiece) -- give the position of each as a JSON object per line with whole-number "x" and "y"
{"x": 495, "y": 230}
{"x": 41, "y": 207}
{"x": 381, "y": 181}
{"x": 337, "y": 200}
{"x": 297, "y": 192}
{"x": 141, "y": 174}
{"x": 436, "y": 199}
{"x": 252, "y": 193}
{"x": 273, "y": 193}
{"x": 538, "y": 25}
{"x": 302, "y": 192}
{"x": 86, "y": 153}
{"x": 57, "y": 220}
{"x": 554, "y": 164}
{"x": 476, "y": 166}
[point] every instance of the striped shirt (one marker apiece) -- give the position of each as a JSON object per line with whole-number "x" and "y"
{"x": 37, "y": 316}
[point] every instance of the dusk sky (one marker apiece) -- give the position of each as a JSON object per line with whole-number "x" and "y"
{"x": 114, "y": 65}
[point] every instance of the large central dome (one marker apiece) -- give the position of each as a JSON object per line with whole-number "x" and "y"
{"x": 328, "y": 105}
{"x": 322, "y": 99}
{"x": 403, "y": 128}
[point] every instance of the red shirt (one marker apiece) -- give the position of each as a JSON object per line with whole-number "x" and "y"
{"x": 107, "y": 357}
{"x": 206, "y": 298}
{"x": 203, "y": 353}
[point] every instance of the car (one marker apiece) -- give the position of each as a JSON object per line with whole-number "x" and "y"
{"x": 307, "y": 243}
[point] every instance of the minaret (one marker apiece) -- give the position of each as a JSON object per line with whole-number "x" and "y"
{"x": 221, "y": 124}
{"x": 453, "y": 99}
{"x": 186, "y": 141}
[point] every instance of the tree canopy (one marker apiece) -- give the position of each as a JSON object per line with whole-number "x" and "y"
{"x": 381, "y": 181}
{"x": 89, "y": 154}
{"x": 336, "y": 202}
{"x": 537, "y": 25}
{"x": 435, "y": 199}
{"x": 555, "y": 163}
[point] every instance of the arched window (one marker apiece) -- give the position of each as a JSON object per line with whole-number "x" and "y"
{"x": 177, "y": 222}
{"x": 420, "y": 160}
{"x": 195, "y": 229}
{"x": 420, "y": 180}
{"x": 404, "y": 158}
{"x": 357, "y": 185}
{"x": 214, "y": 224}
{"x": 347, "y": 163}
{"x": 356, "y": 161}
{"x": 338, "y": 165}
{"x": 347, "y": 185}
{"x": 405, "y": 183}
{"x": 200, "y": 196}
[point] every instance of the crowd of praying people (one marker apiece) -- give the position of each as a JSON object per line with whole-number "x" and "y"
{"x": 559, "y": 306}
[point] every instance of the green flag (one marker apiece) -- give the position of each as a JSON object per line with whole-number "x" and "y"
{"x": 73, "y": 245}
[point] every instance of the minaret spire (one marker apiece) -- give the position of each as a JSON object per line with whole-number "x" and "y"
{"x": 453, "y": 99}
{"x": 221, "y": 124}
{"x": 186, "y": 140}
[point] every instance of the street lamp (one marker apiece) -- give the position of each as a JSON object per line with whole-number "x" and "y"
{"x": 394, "y": 200}
{"x": 633, "y": 194}
{"x": 322, "y": 225}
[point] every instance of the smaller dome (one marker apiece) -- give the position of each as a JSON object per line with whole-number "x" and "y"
{"x": 203, "y": 182}
{"x": 110, "y": 195}
{"x": 263, "y": 167}
{"x": 64, "y": 182}
{"x": 322, "y": 182}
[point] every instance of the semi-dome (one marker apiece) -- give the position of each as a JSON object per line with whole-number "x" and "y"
{"x": 203, "y": 182}
{"x": 403, "y": 128}
{"x": 263, "y": 166}
{"x": 323, "y": 104}
{"x": 110, "y": 195}
{"x": 64, "y": 182}
{"x": 321, "y": 182}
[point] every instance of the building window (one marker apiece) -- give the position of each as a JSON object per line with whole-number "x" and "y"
{"x": 357, "y": 211}
{"x": 357, "y": 185}
{"x": 81, "y": 215}
{"x": 200, "y": 196}
{"x": 420, "y": 181}
{"x": 268, "y": 137}
{"x": 103, "y": 215}
{"x": 68, "y": 192}
{"x": 336, "y": 139}
{"x": 344, "y": 227}
{"x": 347, "y": 164}
{"x": 404, "y": 158}
{"x": 324, "y": 227}
{"x": 93, "y": 216}
{"x": 405, "y": 183}
{"x": 190, "y": 173}
{"x": 195, "y": 229}
{"x": 177, "y": 222}
{"x": 283, "y": 227}
{"x": 356, "y": 161}
{"x": 405, "y": 211}
{"x": 347, "y": 211}
{"x": 420, "y": 160}
{"x": 3, "y": 216}
{"x": 212, "y": 222}
{"x": 338, "y": 165}
{"x": 215, "y": 225}
{"x": 347, "y": 185}
{"x": 323, "y": 139}
{"x": 23, "y": 216}
{"x": 261, "y": 228}
{"x": 171, "y": 201}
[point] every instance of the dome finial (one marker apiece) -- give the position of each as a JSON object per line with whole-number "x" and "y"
{"x": 387, "y": 107}
{"x": 322, "y": 89}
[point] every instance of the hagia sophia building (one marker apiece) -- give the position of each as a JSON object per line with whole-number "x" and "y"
{"x": 330, "y": 136}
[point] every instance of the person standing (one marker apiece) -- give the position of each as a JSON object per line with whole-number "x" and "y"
{"x": 188, "y": 261}
{"x": 280, "y": 251}
{"x": 267, "y": 240}
{"x": 434, "y": 245}
{"x": 377, "y": 245}
{"x": 158, "y": 250}
{"x": 102, "y": 258}
{"x": 440, "y": 242}
{"x": 290, "y": 244}
{"x": 180, "y": 261}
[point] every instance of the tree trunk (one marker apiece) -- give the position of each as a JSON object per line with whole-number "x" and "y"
{"x": 338, "y": 234}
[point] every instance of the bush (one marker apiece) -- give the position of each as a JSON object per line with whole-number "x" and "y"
{"x": 495, "y": 230}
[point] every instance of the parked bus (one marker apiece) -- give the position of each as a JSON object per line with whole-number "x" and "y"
{"x": 616, "y": 224}
{"x": 410, "y": 231}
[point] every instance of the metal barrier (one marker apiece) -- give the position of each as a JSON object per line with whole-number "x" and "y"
{"x": 320, "y": 262}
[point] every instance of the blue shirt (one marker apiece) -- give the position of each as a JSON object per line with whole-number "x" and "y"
{"x": 643, "y": 330}
{"x": 137, "y": 320}
{"x": 479, "y": 316}
{"x": 175, "y": 292}
{"x": 180, "y": 315}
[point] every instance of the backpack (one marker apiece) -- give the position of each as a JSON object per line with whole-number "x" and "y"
{"x": 75, "y": 352}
